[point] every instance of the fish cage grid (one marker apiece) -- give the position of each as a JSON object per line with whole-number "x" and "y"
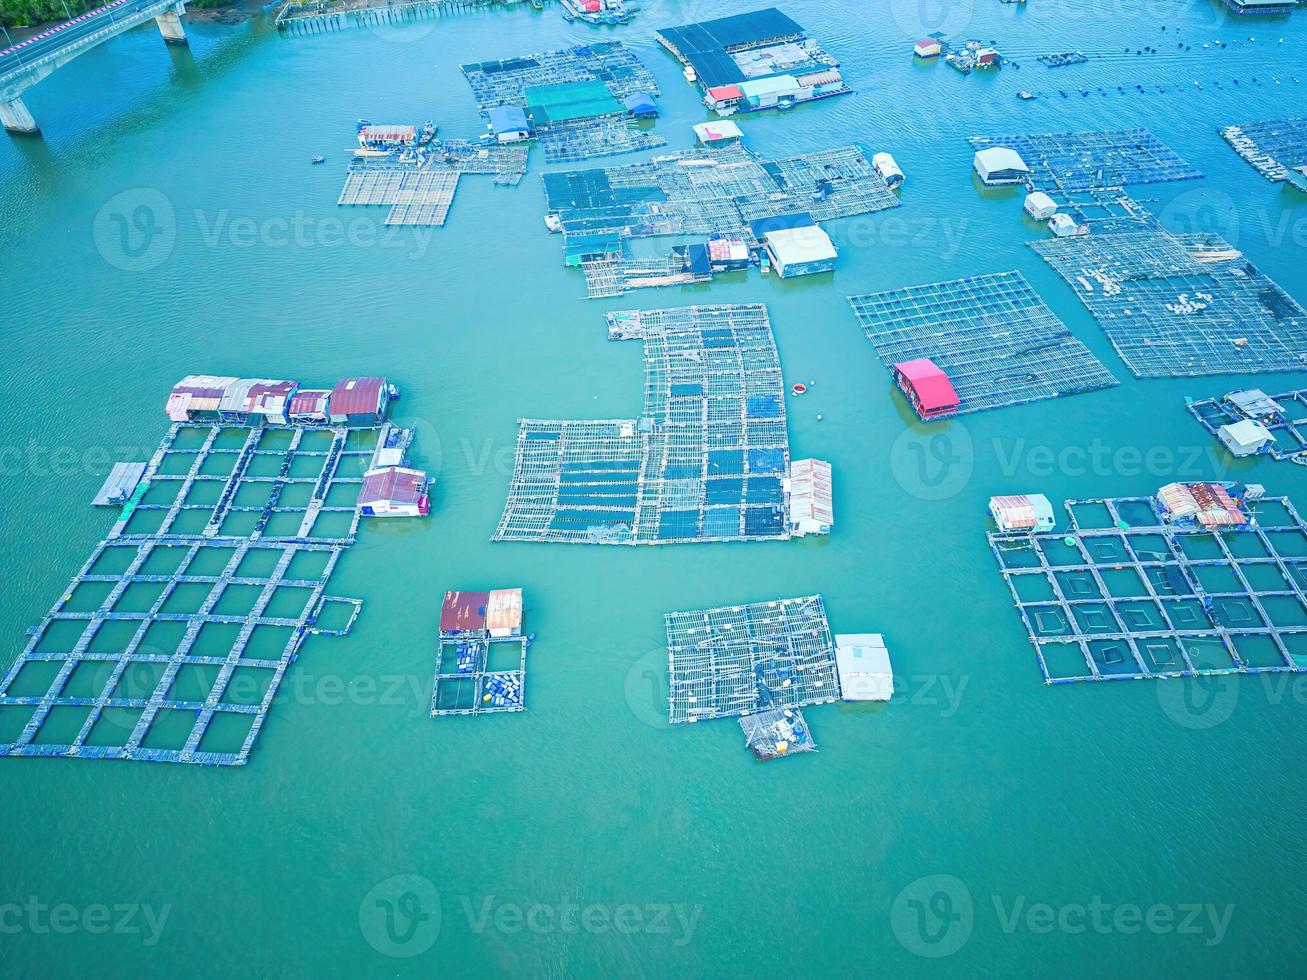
{"x": 208, "y": 559}
{"x": 464, "y": 684}
{"x": 704, "y": 462}
{"x": 712, "y": 190}
{"x": 1128, "y": 596}
{"x": 736, "y": 660}
{"x": 1182, "y": 305}
{"x": 500, "y": 83}
{"x": 766, "y": 731}
{"x": 1288, "y": 425}
{"x": 1273, "y": 148}
{"x": 609, "y": 277}
{"x": 1084, "y": 161}
{"x": 992, "y": 335}
{"x": 589, "y": 138}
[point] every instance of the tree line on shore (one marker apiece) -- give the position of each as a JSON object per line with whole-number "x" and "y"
{"x": 28, "y": 13}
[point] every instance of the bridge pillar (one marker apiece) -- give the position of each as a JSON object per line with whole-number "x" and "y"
{"x": 17, "y": 118}
{"x": 170, "y": 24}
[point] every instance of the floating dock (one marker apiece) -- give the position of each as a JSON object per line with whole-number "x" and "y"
{"x": 738, "y": 660}
{"x": 1181, "y": 305}
{"x": 777, "y": 733}
{"x": 993, "y": 336}
{"x": 1274, "y": 148}
{"x": 1126, "y": 593}
{"x": 706, "y": 460}
{"x": 119, "y": 485}
{"x": 1283, "y": 416}
{"x": 481, "y": 658}
{"x": 1093, "y": 160}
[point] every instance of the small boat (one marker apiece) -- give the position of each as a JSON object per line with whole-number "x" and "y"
{"x": 319, "y": 159}
{"x": 799, "y": 388}
{"x": 1025, "y": 95}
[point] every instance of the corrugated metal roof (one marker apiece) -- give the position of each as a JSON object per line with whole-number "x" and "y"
{"x": 864, "y": 668}
{"x": 508, "y": 119}
{"x": 197, "y": 393}
{"x": 396, "y": 484}
{"x": 933, "y": 389}
{"x": 357, "y": 396}
{"x": 310, "y": 402}
{"x": 797, "y": 245}
{"x": 810, "y": 491}
{"x": 504, "y": 610}
{"x": 773, "y": 85}
{"x": 464, "y": 612}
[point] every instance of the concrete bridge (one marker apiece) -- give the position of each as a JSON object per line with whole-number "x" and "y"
{"x": 26, "y": 63}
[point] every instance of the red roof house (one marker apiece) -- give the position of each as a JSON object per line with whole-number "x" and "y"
{"x": 394, "y": 491}
{"x": 361, "y": 401}
{"x": 464, "y": 612}
{"x": 725, "y": 93}
{"x": 927, "y": 387}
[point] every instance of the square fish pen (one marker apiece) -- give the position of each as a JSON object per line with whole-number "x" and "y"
{"x": 704, "y": 462}
{"x": 1273, "y": 148}
{"x": 992, "y": 335}
{"x": 1182, "y": 305}
{"x": 777, "y": 733}
{"x": 1084, "y": 161}
{"x": 468, "y": 683}
{"x": 500, "y": 83}
{"x": 1285, "y": 418}
{"x": 172, "y": 640}
{"x": 1124, "y": 595}
{"x": 736, "y": 660}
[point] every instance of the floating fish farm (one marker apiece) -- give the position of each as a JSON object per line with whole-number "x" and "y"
{"x": 704, "y": 462}
{"x": 481, "y": 659}
{"x": 1062, "y": 59}
{"x": 419, "y": 186}
{"x": 713, "y": 190}
{"x": 1182, "y": 305}
{"x": 994, "y": 338}
{"x": 754, "y": 61}
{"x": 777, "y": 733}
{"x": 174, "y": 636}
{"x": 579, "y": 102}
{"x": 1130, "y": 592}
{"x": 738, "y": 660}
{"x": 1282, "y": 417}
{"x": 1085, "y": 161}
{"x": 1277, "y": 148}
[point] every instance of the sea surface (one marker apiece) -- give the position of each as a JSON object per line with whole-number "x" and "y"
{"x": 980, "y": 824}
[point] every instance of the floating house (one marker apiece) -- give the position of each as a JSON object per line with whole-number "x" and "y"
{"x": 508, "y": 124}
{"x": 1022, "y": 512}
{"x": 728, "y": 254}
{"x": 256, "y": 399}
{"x": 309, "y": 405}
{"x": 752, "y": 61}
{"x": 810, "y": 500}
{"x": 1207, "y": 504}
{"x": 1040, "y": 206}
{"x": 927, "y": 47}
{"x": 378, "y": 136}
{"x": 927, "y": 387}
{"x": 1246, "y": 437}
{"x": 863, "y": 664}
{"x": 888, "y": 169}
{"x": 504, "y": 613}
{"x": 394, "y": 491}
{"x": 1262, "y": 7}
{"x": 1255, "y": 404}
{"x": 716, "y": 133}
{"x": 119, "y": 485}
{"x": 1062, "y": 225}
{"x": 641, "y": 105}
{"x": 997, "y": 165}
{"x": 197, "y": 396}
{"x": 795, "y": 244}
{"x": 359, "y": 401}
{"x": 464, "y": 613}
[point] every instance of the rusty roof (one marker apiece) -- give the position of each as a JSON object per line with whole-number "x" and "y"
{"x": 357, "y": 396}
{"x": 464, "y": 612}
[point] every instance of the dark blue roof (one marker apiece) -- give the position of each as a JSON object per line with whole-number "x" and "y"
{"x": 508, "y": 119}
{"x": 641, "y": 104}
{"x": 704, "y": 44}
{"x": 780, "y": 222}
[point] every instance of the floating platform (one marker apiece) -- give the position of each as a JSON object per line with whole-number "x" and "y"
{"x": 171, "y": 641}
{"x": 120, "y": 484}
{"x": 705, "y": 461}
{"x": 481, "y": 659}
{"x": 1182, "y": 305}
{"x": 1274, "y": 148}
{"x": 993, "y": 336}
{"x": 1093, "y": 160}
{"x": 1124, "y": 594}
{"x": 738, "y": 660}
{"x": 777, "y": 733}
{"x": 1062, "y": 59}
{"x": 1284, "y": 416}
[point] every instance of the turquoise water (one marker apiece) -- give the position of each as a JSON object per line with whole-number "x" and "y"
{"x": 673, "y": 852}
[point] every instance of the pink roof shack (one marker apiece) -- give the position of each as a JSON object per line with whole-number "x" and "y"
{"x": 725, "y": 93}
{"x": 360, "y": 400}
{"x": 196, "y": 393}
{"x": 927, "y": 387}
{"x": 464, "y": 612}
{"x": 310, "y": 403}
{"x": 394, "y": 491}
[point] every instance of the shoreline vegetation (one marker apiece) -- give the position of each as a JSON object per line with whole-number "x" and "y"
{"x": 25, "y": 17}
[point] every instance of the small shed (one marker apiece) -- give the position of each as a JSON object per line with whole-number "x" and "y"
{"x": 927, "y": 387}
{"x": 258, "y": 399}
{"x": 726, "y": 253}
{"x": 1247, "y": 437}
{"x": 508, "y": 124}
{"x": 197, "y": 394}
{"x": 641, "y": 105}
{"x": 394, "y": 491}
{"x": 888, "y": 169}
{"x": 768, "y": 92}
{"x": 863, "y": 664}
{"x": 1040, "y": 206}
{"x": 927, "y": 47}
{"x": 387, "y": 135}
{"x": 724, "y": 96}
{"x": 1000, "y": 165}
{"x": 1064, "y": 226}
{"x": 1209, "y": 504}
{"x": 359, "y": 401}
{"x": 463, "y": 613}
{"x": 1023, "y": 512}
{"x": 120, "y": 484}
{"x": 1256, "y": 404}
{"x": 795, "y": 244}
{"x": 722, "y": 131}
{"x": 309, "y": 405}
{"x": 504, "y": 612}
{"x": 809, "y": 487}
